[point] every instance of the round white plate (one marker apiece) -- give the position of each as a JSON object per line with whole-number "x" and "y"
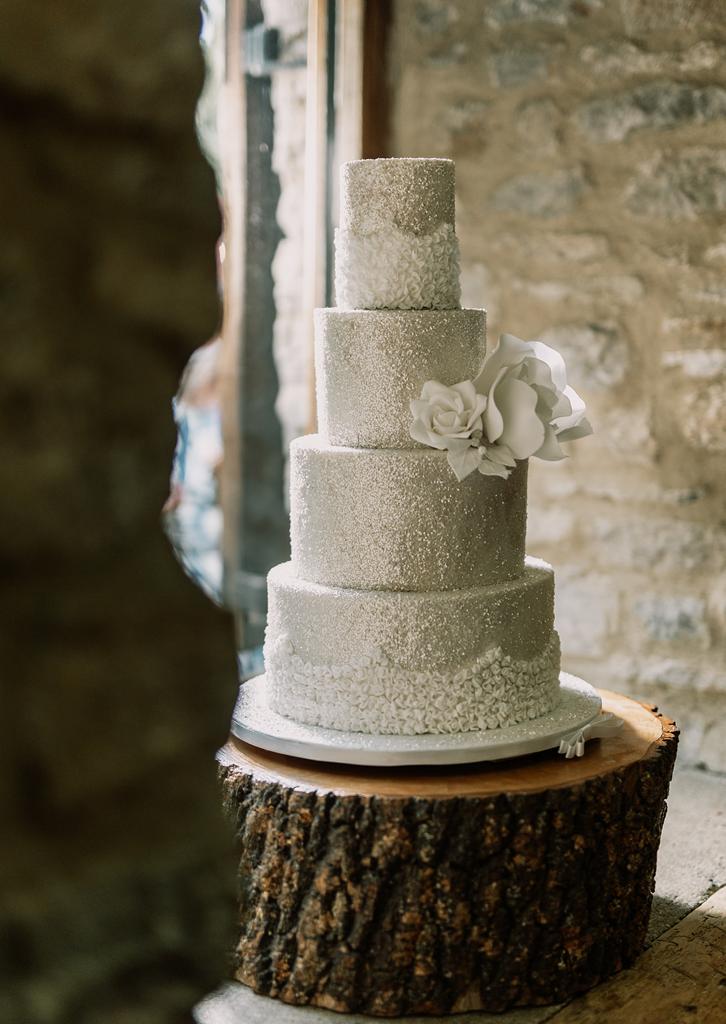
{"x": 254, "y": 723}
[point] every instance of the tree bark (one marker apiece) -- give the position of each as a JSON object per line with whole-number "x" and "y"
{"x": 426, "y": 891}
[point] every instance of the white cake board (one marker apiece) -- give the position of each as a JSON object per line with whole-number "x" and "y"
{"x": 254, "y": 723}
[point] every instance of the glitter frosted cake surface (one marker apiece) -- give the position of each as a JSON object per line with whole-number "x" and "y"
{"x": 413, "y": 195}
{"x": 369, "y": 363}
{"x": 395, "y": 519}
{"x": 408, "y": 606}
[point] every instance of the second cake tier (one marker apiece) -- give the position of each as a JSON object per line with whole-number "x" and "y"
{"x": 398, "y": 519}
{"x": 370, "y": 364}
{"x": 436, "y": 662}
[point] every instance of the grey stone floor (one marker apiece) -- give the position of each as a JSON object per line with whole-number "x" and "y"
{"x": 691, "y": 866}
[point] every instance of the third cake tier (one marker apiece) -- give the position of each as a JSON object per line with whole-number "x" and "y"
{"x": 398, "y": 519}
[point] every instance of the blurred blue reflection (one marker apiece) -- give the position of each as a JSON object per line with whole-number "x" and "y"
{"x": 192, "y": 515}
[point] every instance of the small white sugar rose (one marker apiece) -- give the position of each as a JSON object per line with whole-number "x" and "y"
{"x": 445, "y": 412}
{"x": 450, "y": 419}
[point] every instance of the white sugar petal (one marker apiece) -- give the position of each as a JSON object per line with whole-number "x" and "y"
{"x": 550, "y": 450}
{"x": 582, "y": 429}
{"x": 510, "y": 351}
{"x": 523, "y": 431}
{"x": 554, "y": 361}
{"x": 463, "y": 461}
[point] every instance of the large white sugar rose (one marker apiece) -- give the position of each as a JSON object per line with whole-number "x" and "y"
{"x": 530, "y": 407}
{"x": 450, "y": 418}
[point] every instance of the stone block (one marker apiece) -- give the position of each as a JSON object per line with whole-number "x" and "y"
{"x": 697, "y": 363}
{"x": 694, "y": 675}
{"x": 596, "y": 354}
{"x": 586, "y": 611}
{"x": 503, "y": 13}
{"x": 287, "y": 268}
{"x": 550, "y": 481}
{"x": 712, "y": 293}
{"x": 465, "y": 115}
{"x": 698, "y": 395}
{"x": 717, "y": 604}
{"x": 293, "y": 407}
{"x": 622, "y": 58}
{"x": 446, "y": 54}
{"x": 673, "y": 619}
{"x": 537, "y": 124}
{"x": 655, "y": 105}
{"x": 655, "y": 545}
{"x": 435, "y": 16}
{"x": 695, "y": 331}
{"x": 641, "y": 17}
{"x": 550, "y": 247}
{"x": 516, "y": 68}
{"x": 631, "y": 484}
{"x": 440, "y": 32}
{"x": 701, "y": 719}
{"x": 548, "y": 526}
{"x": 701, "y": 415}
{"x": 687, "y": 184}
{"x": 624, "y": 436}
{"x": 711, "y": 752}
{"x": 478, "y": 290}
{"x": 715, "y": 254}
{"x": 588, "y": 293}
{"x": 691, "y": 692}
{"x": 541, "y": 195}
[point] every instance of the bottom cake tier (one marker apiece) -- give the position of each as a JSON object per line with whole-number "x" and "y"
{"x": 390, "y": 662}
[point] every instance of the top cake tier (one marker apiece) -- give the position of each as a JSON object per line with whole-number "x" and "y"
{"x": 396, "y": 246}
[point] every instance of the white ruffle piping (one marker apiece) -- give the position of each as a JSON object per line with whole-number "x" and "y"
{"x": 371, "y": 694}
{"x": 394, "y": 270}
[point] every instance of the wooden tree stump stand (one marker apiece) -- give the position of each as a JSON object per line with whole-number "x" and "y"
{"x": 435, "y": 891}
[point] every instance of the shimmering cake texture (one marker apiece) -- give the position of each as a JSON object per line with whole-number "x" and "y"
{"x": 413, "y": 195}
{"x": 396, "y": 246}
{"x": 405, "y": 651}
{"x": 394, "y": 270}
{"x": 398, "y": 519}
{"x": 370, "y": 364}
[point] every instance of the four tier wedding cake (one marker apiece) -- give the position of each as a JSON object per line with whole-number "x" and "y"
{"x": 409, "y": 606}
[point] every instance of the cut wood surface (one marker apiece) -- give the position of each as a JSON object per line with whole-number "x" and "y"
{"x": 433, "y": 891}
{"x": 641, "y": 733}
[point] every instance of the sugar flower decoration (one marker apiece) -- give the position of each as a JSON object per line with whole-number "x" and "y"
{"x": 520, "y": 405}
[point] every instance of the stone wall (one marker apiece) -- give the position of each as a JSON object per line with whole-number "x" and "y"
{"x": 118, "y": 675}
{"x": 590, "y": 141}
